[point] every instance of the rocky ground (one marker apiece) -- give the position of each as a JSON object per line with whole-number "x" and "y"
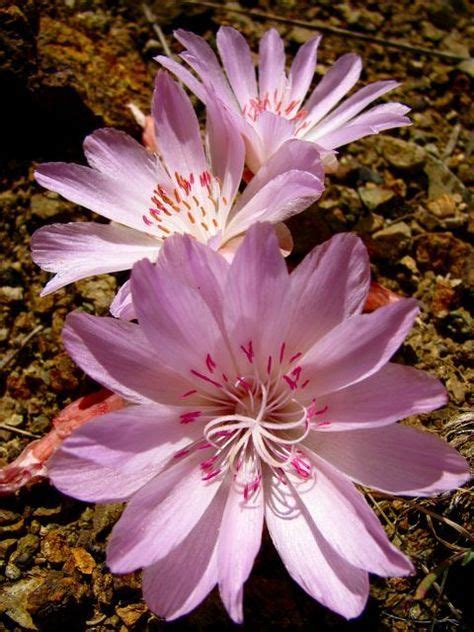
{"x": 70, "y": 66}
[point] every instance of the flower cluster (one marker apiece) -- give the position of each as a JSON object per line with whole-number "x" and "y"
{"x": 251, "y": 395}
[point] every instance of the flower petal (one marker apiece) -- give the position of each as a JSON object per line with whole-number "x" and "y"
{"x": 177, "y": 128}
{"x": 81, "y": 249}
{"x": 302, "y": 70}
{"x": 237, "y": 61}
{"x": 391, "y": 394}
{"x": 308, "y": 557}
{"x": 118, "y": 356}
{"x": 271, "y": 67}
{"x": 357, "y": 348}
{"x": 347, "y": 523}
{"x": 239, "y": 541}
{"x": 118, "y": 200}
{"x": 395, "y": 459}
{"x": 327, "y": 287}
{"x": 109, "y": 459}
{"x": 160, "y": 516}
{"x": 178, "y": 583}
{"x": 122, "y": 305}
{"x": 337, "y": 82}
{"x": 184, "y": 75}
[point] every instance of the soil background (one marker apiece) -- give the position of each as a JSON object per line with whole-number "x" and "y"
{"x": 68, "y": 67}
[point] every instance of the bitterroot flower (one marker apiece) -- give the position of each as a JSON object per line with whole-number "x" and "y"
{"x": 275, "y": 108}
{"x": 256, "y": 396}
{"x": 184, "y": 190}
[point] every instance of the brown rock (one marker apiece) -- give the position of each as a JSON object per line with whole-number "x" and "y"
{"x": 442, "y": 253}
{"x": 55, "y": 548}
{"x": 83, "y": 561}
{"x": 401, "y": 154}
{"x": 443, "y": 206}
{"x": 131, "y": 614}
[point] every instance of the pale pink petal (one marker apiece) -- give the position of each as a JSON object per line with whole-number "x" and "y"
{"x": 350, "y": 108}
{"x": 272, "y": 131}
{"x": 178, "y": 583}
{"x": 122, "y": 305}
{"x": 308, "y": 557}
{"x": 329, "y": 285}
{"x": 121, "y": 157}
{"x": 257, "y": 293}
{"x": 81, "y": 249}
{"x": 110, "y": 458}
{"x": 117, "y": 355}
{"x": 119, "y": 200}
{"x": 177, "y": 128}
{"x": 160, "y": 516}
{"x": 281, "y": 198}
{"x": 336, "y": 83}
{"x": 347, "y": 523}
{"x": 271, "y": 67}
{"x": 237, "y": 61}
{"x": 177, "y": 321}
{"x": 202, "y": 59}
{"x": 395, "y": 459}
{"x": 227, "y": 151}
{"x": 302, "y": 69}
{"x": 185, "y": 76}
{"x": 391, "y": 394}
{"x": 357, "y": 348}
{"x": 239, "y": 541}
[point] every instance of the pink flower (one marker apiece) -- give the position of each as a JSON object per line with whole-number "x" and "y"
{"x": 255, "y": 395}
{"x": 274, "y": 109}
{"x": 184, "y": 190}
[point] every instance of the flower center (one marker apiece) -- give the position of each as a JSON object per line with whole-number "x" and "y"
{"x": 277, "y": 103}
{"x": 193, "y": 206}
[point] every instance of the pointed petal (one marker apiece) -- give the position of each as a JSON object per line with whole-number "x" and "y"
{"x": 308, "y": 557}
{"x": 391, "y": 394}
{"x": 227, "y": 150}
{"x": 160, "y": 516}
{"x": 239, "y": 541}
{"x": 357, "y": 348}
{"x": 271, "y": 67}
{"x": 109, "y": 459}
{"x": 81, "y": 249}
{"x": 329, "y": 286}
{"x": 237, "y": 61}
{"x": 395, "y": 459}
{"x": 177, "y": 128}
{"x": 272, "y": 131}
{"x": 178, "y": 583}
{"x": 118, "y": 356}
{"x": 302, "y": 69}
{"x": 122, "y": 305}
{"x": 118, "y": 200}
{"x": 337, "y": 82}
{"x": 184, "y": 75}
{"x": 347, "y": 523}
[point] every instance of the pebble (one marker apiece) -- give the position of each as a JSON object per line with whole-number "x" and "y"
{"x": 10, "y": 295}
{"x": 131, "y": 614}
{"x": 25, "y": 550}
{"x": 402, "y": 154}
{"x": 375, "y": 197}
{"x": 390, "y": 242}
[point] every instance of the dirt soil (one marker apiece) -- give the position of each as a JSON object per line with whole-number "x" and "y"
{"x": 70, "y": 66}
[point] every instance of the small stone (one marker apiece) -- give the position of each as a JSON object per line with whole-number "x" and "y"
{"x": 390, "y": 242}
{"x": 443, "y": 206}
{"x": 442, "y": 253}
{"x": 7, "y": 517}
{"x": 442, "y": 180}
{"x": 467, "y": 66}
{"x": 46, "y": 206}
{"x": 55, "y": 548}
{"x": 375, "y": 197}
{"x": 300, "y": 35}
{"x": 131, "y": 614}
{"x": 456, "y": 389}
{"x": 10, "y": 295}
{"x": 25, "y": 550}
{"x": 402, "y": 154}
{"x": 6, "y": 546}
{"x": 100, "y": 291}
{"x": 409, "y": 264}
{"x": 83, "y": 561}
{"x": 12, "y": 572}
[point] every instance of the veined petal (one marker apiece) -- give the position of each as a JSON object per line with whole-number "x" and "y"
{"x": 109, "y": 459}
{"x": 395, "y": 459}
{"x": 122, "y": 305}
{"x": 81, "y": 249}
{"x": 327, "y": 287}
{"x": 118, "y": 356}
{"x": 239, "y": 541}
{"x": 271, "y": 66}
{"x": 264, "y": 138}
{"x": 160, "y": 516}
{"x": 184, "y": 75}
{"x": 302, "y": 70}
{"x": 237, "y": 61}
{"x": 391, "y": 394}
{"x": 357, "y": 348}
{"x": 177, "y": 128}
{"x": 337, "y": 82}
{"x": 347, "y": 523}
{"x": 350, "y": 108}
{"x": 178, "y": 583}
{"x": 118, "y": 200}
{"x": 308, "y": 557}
